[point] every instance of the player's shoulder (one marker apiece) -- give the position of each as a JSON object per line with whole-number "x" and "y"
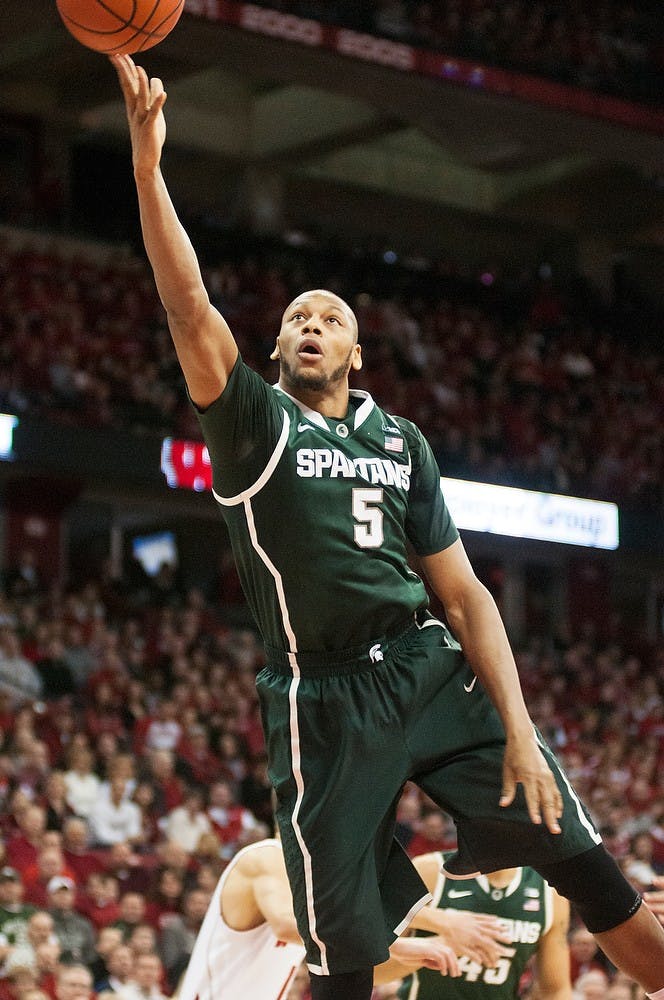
{"x": 261, "y": 858}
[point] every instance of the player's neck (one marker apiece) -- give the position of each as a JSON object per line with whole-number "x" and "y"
{"x": 502, "y": 878}
{"x": 329, "y": 402}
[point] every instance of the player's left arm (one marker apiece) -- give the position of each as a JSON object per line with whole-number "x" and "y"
{"x": 274, "y": 900}
{"x": 476, "y": 622}
{"x": 407, "y": 954}
{"x": 553, "y": 966}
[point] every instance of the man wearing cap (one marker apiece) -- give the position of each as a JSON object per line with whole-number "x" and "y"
{"x": 14, "y": 913}
{"x": 74, "y": 931}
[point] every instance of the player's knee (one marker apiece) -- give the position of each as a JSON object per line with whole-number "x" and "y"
{"x": 593, "y": 882}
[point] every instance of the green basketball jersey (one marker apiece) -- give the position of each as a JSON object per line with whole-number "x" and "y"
{"x": 525, "y": 907}
{"x": 320, "y": 512}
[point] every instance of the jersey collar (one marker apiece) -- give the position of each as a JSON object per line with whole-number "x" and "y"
{"x": 361, "y": 413}
{"x": 483, "y": 881}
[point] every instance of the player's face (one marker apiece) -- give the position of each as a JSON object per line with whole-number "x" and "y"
{"x": 317, "y": 344}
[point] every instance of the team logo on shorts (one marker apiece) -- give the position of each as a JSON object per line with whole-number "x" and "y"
{"x": 376, "y": 653}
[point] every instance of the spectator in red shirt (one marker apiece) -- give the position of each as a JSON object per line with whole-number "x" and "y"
{"x": 17, "y": 982}
{"x": 133, "y": 871}
{"x": 434, "y": 834}
{"x": 167, "y": 899}
{"x": 583, "y": 953}
{"x": 195, "y": 750}
{"x": 50, "y": 862}
{"x": 22, "y": 849}
{"x": 168, "y": 787}
{"x": 78, "y": 857}
{"x": 100, "y": 900}
{"x": 230, "y": 820}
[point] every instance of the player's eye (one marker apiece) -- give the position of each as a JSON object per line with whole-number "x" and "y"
{"x": 297, "y": 315}
{"x": 333, "y": 319}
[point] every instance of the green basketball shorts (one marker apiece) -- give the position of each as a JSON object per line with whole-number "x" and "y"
{"x": 344, "y": 733}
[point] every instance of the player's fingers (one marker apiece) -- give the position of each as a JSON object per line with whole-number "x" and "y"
{"x": 451, "y": 965}
{"x": 531, "y": 790}
{"x": 157, "y": 105}
{"x": 156, "y": 88}
{"x": 552, "y": 812}
{"x": 143, "y": 91}
{"x": 124, "y": 76}
{"x": 483, "y": 955}
{"x": 492, "y": 927}
{"x": 508, "y": 792}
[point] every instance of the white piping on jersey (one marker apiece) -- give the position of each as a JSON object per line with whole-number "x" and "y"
{"x": 415, "y": 908}
{"x": 361, "y": 413}
{"x": 585, "y": 822}
{"x": 265, "y": 474}
{"x": 294, "y": 727}
{"x": 488, "y": 886}
{"x": 414, "y": 990}
{"x": 440, "y": 880}
{"x": 428, "y": 622}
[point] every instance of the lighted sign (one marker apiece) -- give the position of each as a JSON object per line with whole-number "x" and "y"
{"x": 8, "y": 423}
{"x": 499, "y": 510}
{"x": 549, "y": 517}
{"x": 186, "y": 464}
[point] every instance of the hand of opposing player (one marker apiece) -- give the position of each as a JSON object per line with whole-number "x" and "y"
{"x": 478, "y": 935}
{"x": 524, "y": 764}
{"x": 144, "y": 100}
{"x": 426, "y": 953}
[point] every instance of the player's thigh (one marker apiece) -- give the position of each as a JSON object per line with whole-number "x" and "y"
{"x": 468, "y": 787}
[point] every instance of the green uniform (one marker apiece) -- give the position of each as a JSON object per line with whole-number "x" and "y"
{"x": 525, "y": 907}
{"x": 363, "y": 689}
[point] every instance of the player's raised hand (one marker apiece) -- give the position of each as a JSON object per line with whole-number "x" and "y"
{"x": 479, "y": 936}
{"x": 144, "y": 100}
{"x": 524, "y": 764}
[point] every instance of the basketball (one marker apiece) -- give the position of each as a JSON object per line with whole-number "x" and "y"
{"x": 119, "y": 27}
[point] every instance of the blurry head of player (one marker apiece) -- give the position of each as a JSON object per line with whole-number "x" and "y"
{"x": 317, "y": 344}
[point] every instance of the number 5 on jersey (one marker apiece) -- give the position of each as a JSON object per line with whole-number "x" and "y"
{"x": 368, "y": 531}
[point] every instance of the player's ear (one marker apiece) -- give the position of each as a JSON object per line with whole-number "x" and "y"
{"x": 275, "y": 353}
{"x": 356, "y": 359}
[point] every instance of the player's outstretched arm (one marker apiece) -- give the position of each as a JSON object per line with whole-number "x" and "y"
{"x": 476, "y": 622}
{"x": 553, "y": 970}
{"x": 408, "y": 954}
{"x": 479, "y": 936}
{"x": 204, "y": 344}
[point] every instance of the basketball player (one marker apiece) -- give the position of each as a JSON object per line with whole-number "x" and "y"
{"x": 322, "y": 493}
{"x": 249, "y": 948}
{"x": 534, "y": 917}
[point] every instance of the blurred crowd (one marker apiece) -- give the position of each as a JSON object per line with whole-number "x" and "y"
{"x": 517, "y": 386}
{"x": 610, "y": 46}
{"x": 132, "y": 768}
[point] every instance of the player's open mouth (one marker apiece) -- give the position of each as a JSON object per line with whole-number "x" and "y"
{"x": 310, "y": 347}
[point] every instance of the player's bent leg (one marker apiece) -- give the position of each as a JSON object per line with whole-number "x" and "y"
{"x": 612, "y": 910}
{"x": 349, "y": 985}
